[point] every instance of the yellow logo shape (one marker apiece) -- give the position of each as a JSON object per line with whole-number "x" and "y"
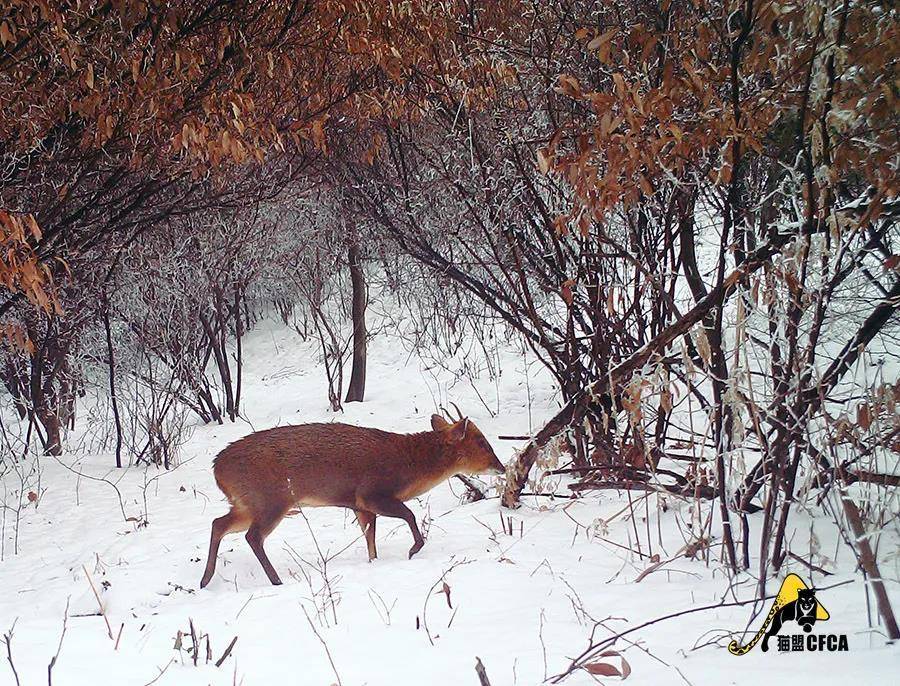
{"x": 788, "y": 594}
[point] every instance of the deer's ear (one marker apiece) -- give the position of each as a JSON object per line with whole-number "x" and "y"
{"x": 458, "y": 430}
{"x": 438, "y": 422}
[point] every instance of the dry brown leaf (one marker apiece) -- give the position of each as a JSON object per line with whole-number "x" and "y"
{"x": 445, "y": 591}
{"x": 601, "y": 40}
{"x": 602, "y": 669}
{"x": 864, "y": 416}
{"x": 569, "y": 85}
{"x": 566, "y": 291}
{"x": 543, "y": 160}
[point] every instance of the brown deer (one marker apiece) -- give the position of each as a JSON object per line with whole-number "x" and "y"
{"x": 269, "y": 473}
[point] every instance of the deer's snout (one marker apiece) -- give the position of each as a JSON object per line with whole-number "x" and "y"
{"x": 497, "y": 467}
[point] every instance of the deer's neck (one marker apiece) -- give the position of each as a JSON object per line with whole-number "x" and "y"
{"x": 429, "y": 452}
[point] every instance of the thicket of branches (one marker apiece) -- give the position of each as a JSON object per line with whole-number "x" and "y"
{"x": 686, "y": 211}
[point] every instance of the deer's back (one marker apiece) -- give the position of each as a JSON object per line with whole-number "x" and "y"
{"x": 312, "y": 464}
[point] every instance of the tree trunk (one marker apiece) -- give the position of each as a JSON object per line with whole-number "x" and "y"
{"x": 238, "y": 335}
{"x": 357, "y": 387}
{"x": 53, "y": 440}
{"x": 112, "y": 379}
{"x": 870, "y": 566}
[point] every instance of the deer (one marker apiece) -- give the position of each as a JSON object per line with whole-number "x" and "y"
{"x": 268, "y": 474}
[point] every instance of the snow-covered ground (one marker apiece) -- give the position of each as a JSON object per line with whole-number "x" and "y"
{"x": 525, "y": 603}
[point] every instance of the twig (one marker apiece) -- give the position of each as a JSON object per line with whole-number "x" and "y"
{"x": 99, "y": 604}
{"x": 659, "y": 563}
{"x": 543, "y": 645}
{"x": 386, "y": 613}
{"x": 481, "y": 672}
{"x": 194, "y": 645}
{"x": 324, "y": 644}
{"x": 227, "y": 652}
{"x": 322, "y": 568}
{"x": 58, "y": 647}
{"x": 161, "y": 672}
{"x": 809, "y": 565}
{"x": 7, "y": 639}
{"x": 98, "y": 478}
{"x": 442, "y": 579}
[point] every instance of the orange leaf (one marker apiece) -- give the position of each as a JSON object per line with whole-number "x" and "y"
{"x": 33, "y": 227}
{"x": 566, "y": 291}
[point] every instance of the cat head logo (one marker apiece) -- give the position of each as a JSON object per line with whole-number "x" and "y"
{"x": 795, "y": 602}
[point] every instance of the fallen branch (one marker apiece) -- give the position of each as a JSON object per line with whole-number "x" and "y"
{"x": 472, "y": 488}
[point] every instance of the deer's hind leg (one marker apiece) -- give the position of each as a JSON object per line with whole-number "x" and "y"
{"x": 263, "y": 524}
{"x": 235, "y": 520}
{"x": 366, "y": 521}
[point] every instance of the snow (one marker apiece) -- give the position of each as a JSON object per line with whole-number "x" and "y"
{"x": 525, "y": 604}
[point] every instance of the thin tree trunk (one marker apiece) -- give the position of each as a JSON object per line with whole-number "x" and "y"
{"x": 220, "y": 354}
{"x": 238, "y": 336}
{"x": 868, "y": 563}
{"x": 357, "y": 387}
{"x": 112, "y": 379}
